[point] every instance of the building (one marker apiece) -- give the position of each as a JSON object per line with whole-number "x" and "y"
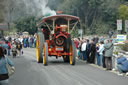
{"x": 3, "y": 27}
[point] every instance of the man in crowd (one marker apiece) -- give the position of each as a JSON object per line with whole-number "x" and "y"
{"x": 108, "y": 47}
{"x": 88, "y": 51}
{"x": 122, "y": 64}
{"x": 19, "y": 47}
{"x": 95, "y": 39}
{"x": 92, "y": 52}
{"x": 83, "y": 49}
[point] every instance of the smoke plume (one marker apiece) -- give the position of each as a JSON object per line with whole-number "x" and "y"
{"x": 20, "y": 8}
{"x": 38, "y": 7}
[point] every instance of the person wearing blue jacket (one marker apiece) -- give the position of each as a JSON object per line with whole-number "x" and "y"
{"x": 100, "y": 51}
{"x": 122, "y": 65}
{"x": 4, "y": 78}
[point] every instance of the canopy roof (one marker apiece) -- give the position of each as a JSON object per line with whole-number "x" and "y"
{"x": 67, "y": 17}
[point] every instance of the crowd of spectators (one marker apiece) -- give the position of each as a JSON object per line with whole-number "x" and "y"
{"x": 13, "y": 46}
{"x": 95, "y": 50}
{"x": 99, "y": 51}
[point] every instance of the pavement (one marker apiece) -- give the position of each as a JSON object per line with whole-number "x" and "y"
{"x": 29, "y": 72}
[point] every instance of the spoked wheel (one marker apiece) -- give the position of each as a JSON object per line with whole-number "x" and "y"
{"x": 72, "y": 54}
{"x": 39, "y": 44}
{"x": 45, "y": 54}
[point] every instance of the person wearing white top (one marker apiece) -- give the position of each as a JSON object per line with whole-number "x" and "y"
{"x": 100, "y": 51}
{"x": 83, "y": 49}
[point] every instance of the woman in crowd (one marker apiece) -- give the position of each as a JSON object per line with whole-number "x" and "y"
{"x": 4, "y": 78}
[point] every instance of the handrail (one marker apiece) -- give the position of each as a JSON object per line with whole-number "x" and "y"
{"x": 74, "y": 27}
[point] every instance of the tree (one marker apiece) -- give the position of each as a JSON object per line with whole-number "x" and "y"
{"x": 26, "y": 24}
{"x": 2, "y": 10}
{"x": 95, "y": 15}
{"x": 123, "y": 12}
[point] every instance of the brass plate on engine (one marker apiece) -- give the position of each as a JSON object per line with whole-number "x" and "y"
{"x": 59, "y": 49}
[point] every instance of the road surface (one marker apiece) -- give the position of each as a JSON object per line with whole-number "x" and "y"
{"x": 29, "y": 72}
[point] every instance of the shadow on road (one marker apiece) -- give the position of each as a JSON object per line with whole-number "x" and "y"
{"x": 58, "y": 62}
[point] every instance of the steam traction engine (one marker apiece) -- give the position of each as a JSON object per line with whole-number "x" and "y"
{"x": 54, "y": 38}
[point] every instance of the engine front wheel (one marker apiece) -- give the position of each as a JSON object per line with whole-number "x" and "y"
{"x": 39, "y": 44}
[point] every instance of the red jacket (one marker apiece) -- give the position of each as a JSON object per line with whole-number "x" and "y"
{"x": 9, "y": 45}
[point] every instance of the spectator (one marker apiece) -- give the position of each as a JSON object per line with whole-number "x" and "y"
{"x": 21, "y": 40}
{"x": 9, "y": 48}
{"x": 25, "y": 42}
{"x": 79, "y": 47}
{"x": 14, "y": 51}
{"x": 19, "y": 47}
{"x": 92, "y": 52}
{"x": 34, "y": 42}
{"x": 30, "y": 40}
{"x": 122, "y": 65}
{"x": 4, "y": 78}
{"x": 6, "y": 47}
{"x": 75, "y": 42}
{"x": 97, "y": 54}
{"x": 88, "y": 51}
{"x": 110, "y": 33}
{"x": 83, "y": 49}
{"x": 108, "y": 54}
{"x": 100, "y": 51}
{"x": 102, "y": 39}
{"x": 104, "y": 66}
{"x": 95, "y": 39}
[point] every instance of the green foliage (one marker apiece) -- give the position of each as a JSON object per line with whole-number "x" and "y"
{"x": 75, "y": 34}
{"x": 95, "y": 15}
{"x": 26, "y": 24}
{"x": 2, "y": 8}
{"x": 124, "y": 46}
{"x": 123, "y": 12}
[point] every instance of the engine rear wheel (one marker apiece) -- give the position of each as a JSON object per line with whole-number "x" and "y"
{"x": 72, "y": 54}
{"x": 45, "y": 54}
{"x": 39, "y": 47}
{"x": 68, "y": 42}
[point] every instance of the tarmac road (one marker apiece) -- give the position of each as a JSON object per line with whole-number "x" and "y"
{"x": 29, "y": 72}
